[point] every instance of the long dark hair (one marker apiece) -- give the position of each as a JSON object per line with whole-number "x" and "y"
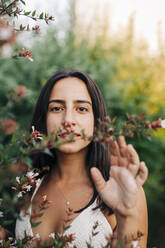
{"x": 98, "y": 154}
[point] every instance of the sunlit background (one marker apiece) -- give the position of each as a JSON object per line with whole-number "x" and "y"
{"x": 149, "y": 17}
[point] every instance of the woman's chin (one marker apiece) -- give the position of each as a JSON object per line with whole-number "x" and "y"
{"x": 72, "y": 147}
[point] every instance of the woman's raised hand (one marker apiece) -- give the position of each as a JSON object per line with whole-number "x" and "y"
{"x": 127, "y": 174}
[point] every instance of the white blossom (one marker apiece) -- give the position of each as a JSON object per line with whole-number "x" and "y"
{"x": 20, "y": 195}
{"x": 44, "y": 197}
{"x": 29, "y": 58}
{"x": 39, "y": 137}
{"x": 31, "y": 174}
{"x": 135, "y": 244}
{"x": 33, "y": 129}
{"x": 52, "y": 235}
{"x": 37, "y": 236}
{"x": 36, "y": 174}
{"x": 1, "y": 242}
{"x": 28, "y": 187}
{"x": 10, "y": 238}
{"x": 38, "y": 181}
{"x": 13, "y": 244}
{"x": 1, "y": 214}
{"x": 163, "y": 123}
{"x": 18, "y": 179}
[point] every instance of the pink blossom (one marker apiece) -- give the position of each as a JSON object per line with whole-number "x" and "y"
{"x": 25, "y": 54}
{"x": 36, "y": 134}
{"x": 9, "y": 126}
{"x": 20, "y": 90}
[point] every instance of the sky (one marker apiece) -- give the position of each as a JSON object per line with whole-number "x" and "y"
{"x": 148, "y": 14}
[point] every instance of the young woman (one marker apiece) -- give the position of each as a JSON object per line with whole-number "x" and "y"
{"x": 102, "y": 184}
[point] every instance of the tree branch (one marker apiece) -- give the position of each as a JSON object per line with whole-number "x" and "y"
{"x": 5, "y": 9}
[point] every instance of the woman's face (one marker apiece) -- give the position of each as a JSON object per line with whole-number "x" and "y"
{"x": 70, "y": 109}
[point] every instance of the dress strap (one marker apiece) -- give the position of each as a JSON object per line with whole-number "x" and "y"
{"x": 36, "y": 188}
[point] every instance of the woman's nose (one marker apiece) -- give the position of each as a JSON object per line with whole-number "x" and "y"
{"x": 68, "y": 120}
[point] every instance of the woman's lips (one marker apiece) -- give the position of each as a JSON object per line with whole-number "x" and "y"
{"x": 67, "y": 134}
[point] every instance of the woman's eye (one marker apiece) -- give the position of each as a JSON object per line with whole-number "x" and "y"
{"x": 56, "y": 109}
{"x": 82, "y": 109}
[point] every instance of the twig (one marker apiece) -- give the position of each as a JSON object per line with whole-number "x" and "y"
{"x": 4, "y": 10}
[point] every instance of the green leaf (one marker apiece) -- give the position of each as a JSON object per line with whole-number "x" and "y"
{"x": 33, "y": 13}
{"x": 27, "y": 13}
{"x": 58, "y": 144}
{"x": 21, "y": 27}
{"x": 41, "y": 16}
{"x": 6, "y": 245}
{"x": 66, "y": 227}
{"x": 13, "y": 139}
{"x": 119, "y": 246}
{"x": 22, "y": 150}
{"x": 1, "y": 146}
{"x": 23, "y": 2}
{"x": 28, "y": 161}
{"x": 40, "y": 214}
{"x": 23, "y": 179}
{"x": 7, "y": 222}
{"x": 47, "y": 151}
{"x": 52, "y": 242}
{"x": 71, "y": 136}
{"x": 35, "y": 224}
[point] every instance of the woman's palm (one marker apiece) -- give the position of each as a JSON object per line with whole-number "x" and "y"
{"x": 120, "y": 191}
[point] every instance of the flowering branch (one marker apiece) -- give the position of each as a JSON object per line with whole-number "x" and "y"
{"x": 8, "y": 32}
{"x": 134, "y": 125}
{"x": 4, "y": 9}
{"x": 14, "y": 11}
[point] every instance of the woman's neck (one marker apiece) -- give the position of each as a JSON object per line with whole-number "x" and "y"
{"x": 70, "y": 167}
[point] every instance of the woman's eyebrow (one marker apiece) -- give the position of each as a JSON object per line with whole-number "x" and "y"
{"x": 63, "y": 102}
{"x": 56, "y": 100}
{"x": 83, "y": 101}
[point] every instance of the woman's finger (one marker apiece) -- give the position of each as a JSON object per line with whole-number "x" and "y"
{"x": 132, "y": 155}
{"x": 143, "y": 174}
{"x": 98, "y": 179}
{"x": 133, "y": 168}
{"x": 114, "y": 160}
{"x": 123, "y": 160}
{"x": 122, "y": 146}
{"x": 114, "y": 148}
{"x": 118, "y": 153}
